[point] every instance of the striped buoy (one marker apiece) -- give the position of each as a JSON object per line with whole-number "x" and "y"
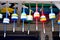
{"x": 43, "y": 19}
{"x": 14, "y": 18}
{"x": 6, "y": 20}
{"x": 23, "y": 18}
{"x": 36, "y": 16}
{"x": 58, "y": 19}
{"x": 52, "y": 17}
{"x": 29, "y": 19}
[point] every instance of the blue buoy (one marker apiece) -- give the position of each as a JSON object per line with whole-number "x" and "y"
{"x": 14, "y": 16}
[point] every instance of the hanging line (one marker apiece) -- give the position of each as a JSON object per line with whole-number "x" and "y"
{"x": 29, "y": 9}
{"x": 6, "y": 12}
{"x": 36, "y": 7}
{"x": 42, "y": 9}
{"x": 15, "y": 10}
{"x": 23, "y": 8}
{"x": 7, "y": 9}
{"x": 51, "y": 8}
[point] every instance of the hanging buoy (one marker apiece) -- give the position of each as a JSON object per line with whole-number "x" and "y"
{"x": 1, "y": 16}
{"x": 59, "y": 22}
{"x": 52, "y": 17}
{"x": 6, "y": 21}
{"x": 43, "y": 19}
{"x": 29, "y": 18}
{"x": 23, "y": 18}
{"x": 58, "y": 19}
{"x": 14, "y": 18}
{"x": 36, "y": 16}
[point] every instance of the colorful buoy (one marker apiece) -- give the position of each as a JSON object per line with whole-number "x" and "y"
{"x": 36, "y": 16}
{"x": 43, "y": 19}
{"x": 14, "y": 18}
{"x": 23, "y": 18}
{"x": 6, "y": 21}
{"x": 58, "y": 19}
{"x": 29, "y": 18}
{"x": 1, "y": 16}
{"x": 52, "y": 17}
